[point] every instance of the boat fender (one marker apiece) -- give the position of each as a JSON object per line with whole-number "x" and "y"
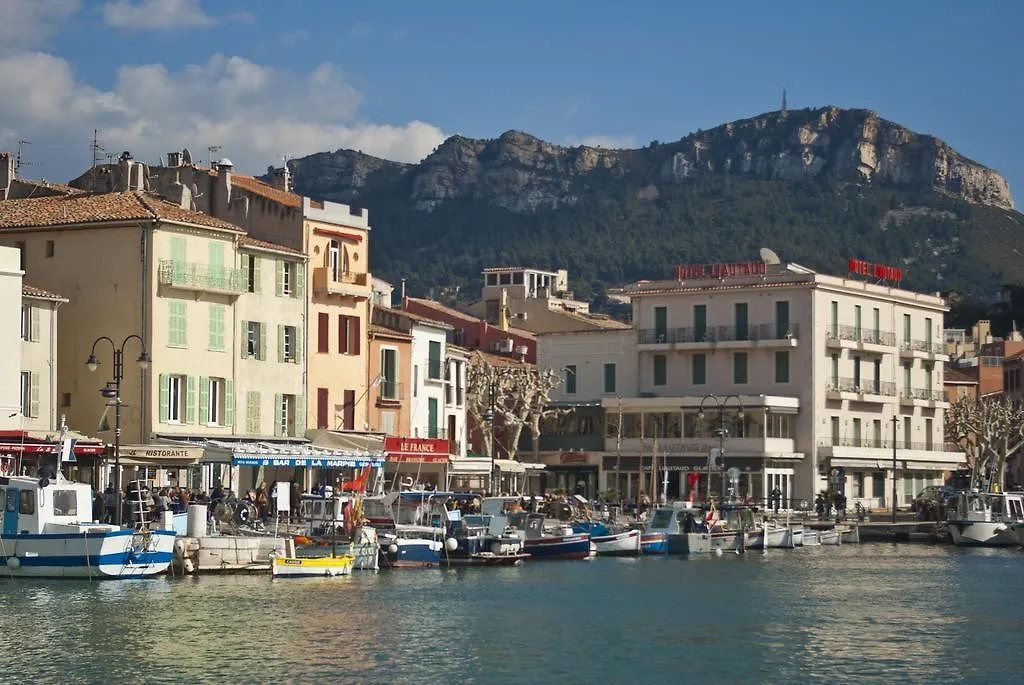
{"x": 43, "y": 482}
{"x": 393, "y": 548}
{"x": 13, "y": 563}
{"x": 495, "y": 548}
{"x": 451, "y": 544}
{"x": 244, "y": 513}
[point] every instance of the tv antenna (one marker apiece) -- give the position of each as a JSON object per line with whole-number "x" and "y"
{"x": 212, "y": 150}
{"x": 97, "y": 149}
{"x": 785, "y": 103}
{"x": 19, "y": 161}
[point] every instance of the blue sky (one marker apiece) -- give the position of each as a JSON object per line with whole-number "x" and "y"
{"x": 265, "y": 79}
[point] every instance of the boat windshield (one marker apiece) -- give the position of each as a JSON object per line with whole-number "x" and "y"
{"x": 661, "y": 519}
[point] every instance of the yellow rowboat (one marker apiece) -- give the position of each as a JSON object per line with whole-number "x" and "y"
{"x": 305, "y": 567}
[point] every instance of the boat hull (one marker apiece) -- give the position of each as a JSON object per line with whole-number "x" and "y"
{"x": 626, "y": 543}
{"x": 830, "y": 537}
{"x": 654, "y": 543}
{"x": 776, "y": 537}
{"x": 485, "y": 559}
{"x": 558, "y": 547}
{"x": 312, "y": 567}
{"x": 412, "y": 553}
{"x": 105, "y": 554}
{"x": 983, "y": 534}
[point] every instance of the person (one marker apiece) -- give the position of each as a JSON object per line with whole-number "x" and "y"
{"x": 97, "y": 506}
{"x": 776, "y": 499}
{"x": 110, "y": 502}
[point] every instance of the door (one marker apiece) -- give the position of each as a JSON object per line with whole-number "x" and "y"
{"x": 781, "y": 320}
{"x": 11, "y": 511}
{"x": 431, "y": 417}
{"x": 661, "y": 324}
{"x": 700, "y": 322}
{"x": 742, "y": 321}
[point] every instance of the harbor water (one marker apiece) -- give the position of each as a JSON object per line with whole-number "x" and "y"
{"x": 871, "y": 613}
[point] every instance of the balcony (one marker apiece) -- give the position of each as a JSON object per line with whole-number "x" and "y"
{"x": 346, "y": 285}
{"x": 200, "y": 277}
{"x": 700, "y": 447}
{"x": 859, "y": 338}
{"x": 877, "y": 454}
{"x": 726, "y": 337}
{"x": 389, "y": 394}
{"x": 923, "y": 349}
{"x": 921, "y": 397}
{"x": 594, "y": 442}
{"x": 860, "y": 390}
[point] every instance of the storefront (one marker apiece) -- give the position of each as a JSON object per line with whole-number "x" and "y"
{"x": 678, "y": 477}
{"x": 162, "y": 466}
{"x": 572, "y": 473}
{"x": 21, "y": 452}
{"x": 469, "y": 474}
{"x": 416, "y": 462}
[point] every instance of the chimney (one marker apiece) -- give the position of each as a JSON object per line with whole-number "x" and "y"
{"x": 6, "y": 173}
{"x": 174, "y": 159}
{"x": 220, "y": 205}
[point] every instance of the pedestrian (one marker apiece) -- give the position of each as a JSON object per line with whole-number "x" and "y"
{"x": 110, "y": 501}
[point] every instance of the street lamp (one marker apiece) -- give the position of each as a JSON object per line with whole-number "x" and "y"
{"x": 722, "y": 430}
{"x": 114, "y": 393}
{"x": 489, "y": 417}
{"x": 894, "y": 423}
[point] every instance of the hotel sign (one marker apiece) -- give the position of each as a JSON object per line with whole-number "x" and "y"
{"x": 422, "y": 450}
{"x": 882, "y": 272}
{"x": 685, "y": 272}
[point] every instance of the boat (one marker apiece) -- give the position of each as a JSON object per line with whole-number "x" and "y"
{"x": 987, "y": 519}
{"x": 539, "y": 542}
{"x": 611, "y": 542}
{"x": 46, "y": 531}
{"x": 810, "y": 538}
{"x": 768, "y": 534}
{"x": 304, "y": 567}
{"x": 470, "y": 543}
{"x": 712, "y": 529}
{"x": 830, "y": 536}
{"x": 322, "y": 525}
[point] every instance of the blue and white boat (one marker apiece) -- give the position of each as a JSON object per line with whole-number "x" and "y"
{"x": 611, "y": 542}
{"x": 46, "y": 531}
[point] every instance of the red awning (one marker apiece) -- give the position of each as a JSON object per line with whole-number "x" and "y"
{"x": 416, "y": 450}
{"x": 338, "y": 234}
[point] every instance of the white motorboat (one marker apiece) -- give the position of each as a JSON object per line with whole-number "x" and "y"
{"x": 768, "y": 534}
{"x": 832, "y": 536}
{"x": 988, "y": 519}
{"x": 810, "y": 538}
{"x": 625, "y": 543}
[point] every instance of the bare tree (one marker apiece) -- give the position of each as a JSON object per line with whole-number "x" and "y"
{"x": 990, "y": 430}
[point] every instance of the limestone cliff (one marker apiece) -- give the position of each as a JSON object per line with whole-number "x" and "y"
{"x": 523, "y": 174}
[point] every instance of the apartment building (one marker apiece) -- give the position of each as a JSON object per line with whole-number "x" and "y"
{"x": 808, "y": 374}
{"x": 476, "y": 333}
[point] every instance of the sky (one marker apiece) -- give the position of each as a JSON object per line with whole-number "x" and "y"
{"x": 265, "y": 80}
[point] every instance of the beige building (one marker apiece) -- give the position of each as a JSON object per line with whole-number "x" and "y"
{"x": 187, "y": 284}
{"x": 38, "y": 385}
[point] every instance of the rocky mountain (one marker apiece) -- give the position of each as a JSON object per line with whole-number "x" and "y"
{"x": 815, "y": 185}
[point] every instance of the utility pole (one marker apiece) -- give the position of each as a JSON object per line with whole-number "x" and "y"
{"x": 97, "y": 149}
{"x": 895, "y": 420}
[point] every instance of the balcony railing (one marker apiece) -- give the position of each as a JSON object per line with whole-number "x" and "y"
{"x": 868, "y": 387}
{"x": 923, "y": 394}
{"x": 431, "y": 432}
{"x": 710, "y": 334}
{"x": 860, "y": 334}
{"x": 390, "y": 391}
{"x": 351, "y": 284}
{"x": 922, "y": 346}
{"x": 194, "y": 276}
{"x": 886, "y": 444}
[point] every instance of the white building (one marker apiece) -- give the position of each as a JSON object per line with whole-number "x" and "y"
{"x": 824, "y": 368}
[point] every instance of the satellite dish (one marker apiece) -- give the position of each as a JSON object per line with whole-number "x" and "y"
{"x": 733, "y": 474}
{"x": 769, "y": 256}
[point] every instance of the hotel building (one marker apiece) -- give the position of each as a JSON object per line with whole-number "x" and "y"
{"x": 817, "y": 380}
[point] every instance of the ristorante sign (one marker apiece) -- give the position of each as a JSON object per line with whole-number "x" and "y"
{"x": 686, "y": 272}
{"x": 424, "y": 450}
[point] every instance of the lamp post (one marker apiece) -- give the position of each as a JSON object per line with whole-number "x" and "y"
{"x": 115, "y": 393}
{"x": 894, "y": 423}
{"x": 489, "y": 417}
{"x": 722, "y": 430}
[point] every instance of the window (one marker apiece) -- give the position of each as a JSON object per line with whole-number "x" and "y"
{"x": 782, "y": 329}
{"x": 856, "y": 373}
{"x": 878, "y": 377}
{"x": 928, "y": 369}
{"x": 289, "y": 343}
{"x": 177, "y": 324}
{"x": 660, "y": 369}
{"x": 348, "y": 334}
{"x": 286, "y": 414}
{"x": 906, "y": 330}
{"x": 415, "y": 380}
{"x": 739, "y": 367}
{"x": 432, "y": 431}
{"x": 172, "y": 398}
{"x": 387, "y": 422}
{"x": 609, "y": 378}
{"x": 700, "y": 322}
{"x": 65, "y": 503}
{"x": 876, "y": 433}
{"x": 570, "y": 379}
{"x": 928, "y": 425}
{"x": 333, "y": 259}
{"x": 216, "y": 401}
{"x": 50, "y": 248}
{"x": 928, "y": 333}
{"x": 323, "y": 345}
{"x": 251, "y": 273}
{"x": 218, "y": 276}
{"x": 906, "y": 378}
{"x": 517, "y": 278}
{"x": 878, "y": 484}
{"x": 255, "y": 340}
{"x": 22, "y": 248}
{"x": 778, "y": 426}
{"x": 252, "y": 413}
{"x": 26, "y": 392}
{"x": 389, "y": 373}
{"x": 699, "y": 369}
{"x": 856, "y": 322}
{"x": 661, "y": 324}
{"x": 350, "y": 410}
{"x": 289, "y": 277}
{"x": 27, "y": 502}
{"x": 907, "y": 435}
{"x": 434, "y": 360}
{"x": 492, "y": 279}
{"x": 833, "y": 319}
{"x": 322, "y": 410}
{"x": 782, "y": 367}
{"x": 26, "y": 322}
{"x": 876, "y": 325}
{"x": 217, "y": 327}
{"x": 835, "y": 371}
{"x": 856, "y": 433}
{"x": 740, "y": 311}
{"x": 835, "y": 430}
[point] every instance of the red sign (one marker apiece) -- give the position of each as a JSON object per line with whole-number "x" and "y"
{"x": 48, "y": 448}
{"x": 685, "y": 272}
{"x": 880, "y": 271}
{"x": 424, "y": 450}
{"x": 573, "y": 457}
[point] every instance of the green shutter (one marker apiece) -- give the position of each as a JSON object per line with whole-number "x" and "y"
{"x": 279, "y": 277}
{"x": 278, "y": 430}
{"x": 263, "y": 341}
{"x": 609, "y": 378}
{"x": 252, "y": 412}
{"x": 782, "y": 367}
{"x": 33, "y": 406}
{"x": 33, "y": 333}
{"x": 700, "y": 369}
{"x": 299, "y": 287}
{"x": 256, "y": 274}
{"x": 739, "y": 367}
{"x": 217, "y": 326}
{"x": 432, "y": 417}
{"x": 190, "y": 402}
{"x": 204, "y": 401}
{"x": 245, "y": 272}
{"x": 229, "y": 402}
{"x": 660, "y": 369}
{"x": 300, "y": 416}
{"x": 164, "y": 398}
{"x": 297, "y": 345}
{"x": 280, "y": 343}
{"x": 245, "y": 340}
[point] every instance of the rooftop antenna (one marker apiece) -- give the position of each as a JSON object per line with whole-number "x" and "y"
{"x": 97, "y": 149}
{"x": 19, "y": 161}
{"x": 212, "y": 150}
{"x": 785, "y": 104}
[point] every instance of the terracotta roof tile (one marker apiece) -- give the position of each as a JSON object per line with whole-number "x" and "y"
{"x": 390, "y": 332}
{"x": 955, "y": 375}
{"x": 32, "y": 291}
{"x": 91, "y": 208}
{"x": 246, "y": 241}
{"x": 499, "y": 360}
{"x": 258, "y": 187}
{"x": 463, "y": 316}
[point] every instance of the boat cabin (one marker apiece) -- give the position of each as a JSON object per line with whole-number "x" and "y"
{"x": 989, "y": 506}
{"x": 30, "y": 508}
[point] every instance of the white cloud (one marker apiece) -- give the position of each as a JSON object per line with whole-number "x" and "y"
{"x": 606, "y": 142}
{"x": 155, "y": 15}
{"x": 25, "y": 24}
{"x": 254, "y": 112}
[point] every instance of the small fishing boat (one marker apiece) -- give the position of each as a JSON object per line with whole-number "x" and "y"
{"x": 810, "y": 538}
{"x": 305, "y": 567}
{"x": 558, "y": 542}
{"x": 987, "y": 519}
{"x": 711, "y": 529}
{"x": 767, "y": 534}
{"x": 610, "y": 542}
{"x": 469, "y": 543}
{"x": 831, "y": 536}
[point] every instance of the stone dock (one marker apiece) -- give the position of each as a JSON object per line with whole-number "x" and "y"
{"x": 930, "y": 532}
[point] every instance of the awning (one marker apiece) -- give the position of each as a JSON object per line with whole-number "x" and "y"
{"x": 510, "y": 466}
{"x": 901, "y": 465}
{"x": 416, "y": 450}
{"x": 170, "y": 455}
{"x": 45, "y": 442}
{"x": 347, "y": 441}
{"x": 469, "y": 465}
{"x": 292, "y": 454}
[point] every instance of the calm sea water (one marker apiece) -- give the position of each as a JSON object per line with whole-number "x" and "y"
{"x": 852, "y": 614}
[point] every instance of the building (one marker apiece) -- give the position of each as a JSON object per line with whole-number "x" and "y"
{"x": 960, "y": 383}
{"x": 208, "y": 306}
{"x": 14, "y": 188}
{"x": 536, "y": 300}
{"x": 810, "y": 375}
{"x": 38, "y": 386}
{"x": 475, "y": 333}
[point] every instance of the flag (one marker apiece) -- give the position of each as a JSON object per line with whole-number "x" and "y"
{"x": 104, "y": 425}
{"x": 67, "y": 450}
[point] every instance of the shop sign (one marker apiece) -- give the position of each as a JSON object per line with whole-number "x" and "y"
{"x": 161, "y": 452}
{"x": 573, "y": 457}
{"x": 685, "y": 272}
{"x": 882, "y": 272}
{"x": 417, "y": 450}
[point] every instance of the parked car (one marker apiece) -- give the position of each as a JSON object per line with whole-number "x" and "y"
{"x": 932, "y": 502}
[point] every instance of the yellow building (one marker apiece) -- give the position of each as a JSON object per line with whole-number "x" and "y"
{"x": 194, "y": 289}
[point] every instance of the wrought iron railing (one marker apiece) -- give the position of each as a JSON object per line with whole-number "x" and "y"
{"x": 196, "y": 276}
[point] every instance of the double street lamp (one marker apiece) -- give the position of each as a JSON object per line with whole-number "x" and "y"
{"x": 114, "y": 394}
{"x": 489, "y": 417}
{"x": 721, "y": 403}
